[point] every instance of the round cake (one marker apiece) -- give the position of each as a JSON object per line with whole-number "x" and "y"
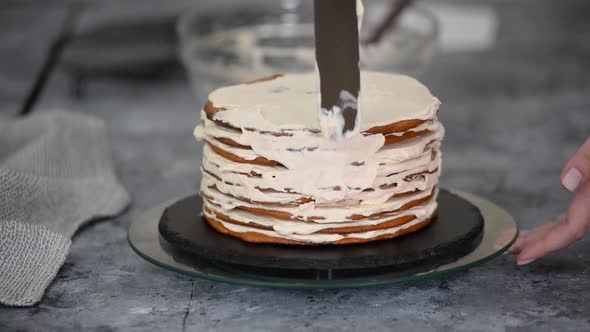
{"x": 272, "y": 175}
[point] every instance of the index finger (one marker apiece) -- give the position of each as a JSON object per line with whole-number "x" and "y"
{"x": 568, "y": 231}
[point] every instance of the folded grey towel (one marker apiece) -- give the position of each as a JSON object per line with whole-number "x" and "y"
{"x": 55, "y": 174}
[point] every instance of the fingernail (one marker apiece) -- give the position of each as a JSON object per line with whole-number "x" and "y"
{"x": 525, "y": 262}
{"x": 572, "y": 179}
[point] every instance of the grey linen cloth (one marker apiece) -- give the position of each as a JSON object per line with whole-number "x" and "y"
{"x": 55, "y": 174}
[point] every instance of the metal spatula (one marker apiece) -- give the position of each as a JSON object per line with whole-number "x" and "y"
{"x": 337, "y": 56}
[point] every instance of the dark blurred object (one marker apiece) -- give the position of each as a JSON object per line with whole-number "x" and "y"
{"x": 138, "y": 50}
{"x": 53, "y": 54}
{"x": 337, "y": 59}
{"x": 389, "y": 21}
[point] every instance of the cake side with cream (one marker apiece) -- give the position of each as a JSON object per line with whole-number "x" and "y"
{"x": 270, "y": 175}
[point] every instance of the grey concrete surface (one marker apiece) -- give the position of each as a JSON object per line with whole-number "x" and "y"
{"x": 514, "y": 114}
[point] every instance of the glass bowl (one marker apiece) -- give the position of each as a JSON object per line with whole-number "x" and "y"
{"x": 247, "y": 40}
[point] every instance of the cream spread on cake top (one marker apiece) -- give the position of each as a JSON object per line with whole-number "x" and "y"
{"x": 291, "y": 102}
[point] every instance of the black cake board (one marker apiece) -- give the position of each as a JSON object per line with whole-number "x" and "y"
{"x": 453, "y": 234}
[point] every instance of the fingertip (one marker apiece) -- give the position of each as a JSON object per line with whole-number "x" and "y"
{"x": 532, "y": 252}
{"x": 529, "y": 254}
{"x": 558, "y": 238}
{"x": 524, "y": 261}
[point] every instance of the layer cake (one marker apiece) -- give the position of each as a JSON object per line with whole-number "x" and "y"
{"x": 272, "y": 174}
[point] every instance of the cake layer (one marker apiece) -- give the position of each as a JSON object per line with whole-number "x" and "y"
{"x": 285, "y": 227}
{"x": 321, "y": 214}
{"x": 248, "y": 235}
{"x": 282, "y": 185}
{"x": 248, "y": 147}
{"x": 233, "y": 138}
{"x": 286, "y": 199}
{"x": 290, "y": 102}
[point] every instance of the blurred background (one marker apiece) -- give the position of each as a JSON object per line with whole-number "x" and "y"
{"x": 132, "y": 42}
{"x": 513, "y": 76}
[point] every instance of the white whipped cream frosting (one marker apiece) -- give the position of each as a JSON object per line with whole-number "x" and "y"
{"x": 291, "y": 102}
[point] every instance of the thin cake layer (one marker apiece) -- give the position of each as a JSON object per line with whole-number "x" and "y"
{"x": 257, "y": 236}
{"x": 290, "y": 103}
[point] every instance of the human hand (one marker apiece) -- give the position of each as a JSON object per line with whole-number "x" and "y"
{"x": 550, "y": 237}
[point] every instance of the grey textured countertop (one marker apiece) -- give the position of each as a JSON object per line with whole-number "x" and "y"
{"x": 514, "y": 114}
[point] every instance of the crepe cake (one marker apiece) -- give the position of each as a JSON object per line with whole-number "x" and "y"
{"x": 272, "y": 175}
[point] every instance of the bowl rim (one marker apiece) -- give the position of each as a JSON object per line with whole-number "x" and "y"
{"x": 186, "y": 19}
{"x": 188, "y": 41}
